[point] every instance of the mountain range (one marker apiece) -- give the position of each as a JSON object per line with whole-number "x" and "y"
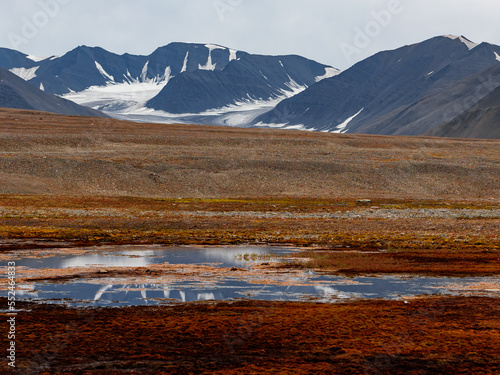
{"x": 178, "y": 78}
{"x": 444, "y": 86}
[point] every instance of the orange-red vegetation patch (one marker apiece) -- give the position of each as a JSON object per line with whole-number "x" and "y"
{"x": 419, "y": 336}
{"x": 427, "y": 261}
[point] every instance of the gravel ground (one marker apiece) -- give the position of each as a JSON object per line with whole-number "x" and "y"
{"x": 372, "y": 213}
{"x": 57, "y": 155}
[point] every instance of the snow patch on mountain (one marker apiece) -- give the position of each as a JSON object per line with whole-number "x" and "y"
{"x": 232, "y": 55}
{"x": 249, "y": 104}
{"x": 209, "y": 65}
{"x": 300, "y": 127}
{"x": 293, "y": 88}
{"x": 167, "y": 75}
{"x": 127, "y": 96}
{"x": 497, "y": 56}
{"x": 241, "y": 113}
{"x": 184, "y": 66}
{"x": 470, "y": 45}
{"x": 26, "y": 74}
{"x": 285, "y": 127}
{"x": 342, "y": 127}
{"x": 103, "y": 72}
{"x": 329, "y": 72}
{"x": 211, "y": 47}
{"x": 36, "y": 58}
{"x": 144, "y": 72}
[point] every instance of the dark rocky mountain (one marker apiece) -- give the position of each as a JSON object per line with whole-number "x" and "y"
{"x": 445, "y": 105}
{"x": 382, "y": 94}
{"x": 249, "y": 78}
{"x": 480, "y": 121}
{"x": 17, "y": 93}
{"x": 14, "y": 59}
{"x": 435, "y": 87}
{"x": 85, "y": 67}
{"x": 194, "y": 77}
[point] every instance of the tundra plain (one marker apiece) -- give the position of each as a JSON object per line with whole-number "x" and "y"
{"x": 357, "y": 205}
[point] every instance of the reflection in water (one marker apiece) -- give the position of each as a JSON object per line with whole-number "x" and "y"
{"x": 286, "y": 287}
{"x": 143, "y": 290}
{"x": 205, "y": 296}
{"x": 322, "y": 289}
{"x": 109, "y": 261}
{"x": 26, "y": 290}
{"x": 138, "y": 253}
{"x": 142, "y": 256}
{"x": 329, "y": 292}
{"x": 101, "y": 291}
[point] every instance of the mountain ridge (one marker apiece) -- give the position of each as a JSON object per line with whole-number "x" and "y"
{"x": 258, "y": 77}
{"x": 17, "y": 93}
{"x": 177, "y": 78}
{"x": 380, "y": 88}
{"x": 411, "y": 90}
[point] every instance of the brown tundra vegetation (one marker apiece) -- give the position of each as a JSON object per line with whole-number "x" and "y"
{"x": 356, "y": 204}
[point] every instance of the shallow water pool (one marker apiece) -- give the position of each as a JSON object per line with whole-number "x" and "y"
{"x": 215, "y": 273}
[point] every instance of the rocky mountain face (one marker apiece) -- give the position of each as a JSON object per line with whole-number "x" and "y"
{"x": 444, "y": 86}
{"x": 85, "y": 67}
{"x": 17, "y": 93}
{"x": 482, "y": 120}
{"x": 250, "y": 78}
{"x": 180, "y": 77}
{"x": 407, "y": 91}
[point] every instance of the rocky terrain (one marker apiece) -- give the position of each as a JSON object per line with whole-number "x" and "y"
{"x": 15, "y": 92}
{"x": 356, "y": 205}
{"x": 47, "y": 154}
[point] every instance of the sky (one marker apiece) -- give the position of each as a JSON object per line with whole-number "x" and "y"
{"x": 334, "y": 32}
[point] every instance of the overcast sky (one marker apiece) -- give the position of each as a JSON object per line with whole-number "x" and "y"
{"x": 334, "y": 32}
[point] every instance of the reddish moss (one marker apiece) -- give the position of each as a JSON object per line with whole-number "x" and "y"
{"x": 433, "y": 335}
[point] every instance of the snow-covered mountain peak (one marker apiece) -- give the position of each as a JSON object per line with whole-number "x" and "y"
{"x": 36, "y": 58}
{"x": 470, "y": 44}
{"x": 215, "y": 46}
